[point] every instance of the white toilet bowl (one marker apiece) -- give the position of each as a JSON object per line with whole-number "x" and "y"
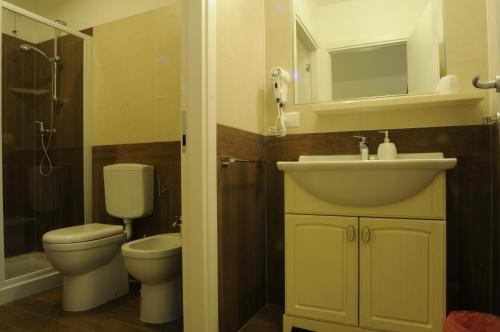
{"x": 156, "y": 262}
{"x": 88, "y": 256}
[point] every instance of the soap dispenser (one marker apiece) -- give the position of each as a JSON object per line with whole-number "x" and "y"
{"x": 387, "y": 150}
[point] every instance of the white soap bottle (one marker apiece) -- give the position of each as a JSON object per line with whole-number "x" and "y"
{"x": 387, "y": 150}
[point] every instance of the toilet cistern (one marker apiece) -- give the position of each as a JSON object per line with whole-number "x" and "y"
{"x": 129, "y": 192}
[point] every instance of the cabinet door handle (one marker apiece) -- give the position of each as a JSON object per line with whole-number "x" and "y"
{"x": 351, "y": 233}
{"x": 366, "y": 234}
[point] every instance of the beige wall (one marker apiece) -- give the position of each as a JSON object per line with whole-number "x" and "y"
{"x": 136, "y": 78}
{"x": 89, "y": 13}
{"x": 241, "y": 75}
{"x": 467, "y": 54}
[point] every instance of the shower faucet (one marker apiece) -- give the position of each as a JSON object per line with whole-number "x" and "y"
{"x": 45, "y": 131}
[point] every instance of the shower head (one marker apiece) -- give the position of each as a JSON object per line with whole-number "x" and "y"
{"x": 28, "y": 47}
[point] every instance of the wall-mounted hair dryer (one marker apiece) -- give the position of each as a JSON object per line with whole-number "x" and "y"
{"x": 280, "y": 78}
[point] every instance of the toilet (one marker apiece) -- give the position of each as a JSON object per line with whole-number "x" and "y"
{"x": 89, "y": 259}
{"x": 156, "y": 262}
{"x": 88, "y": 256}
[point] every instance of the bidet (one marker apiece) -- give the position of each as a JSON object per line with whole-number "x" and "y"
{"x": 156, "y": 262}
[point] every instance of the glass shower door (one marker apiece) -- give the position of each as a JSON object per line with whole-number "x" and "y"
{"x": 42, "y": 138}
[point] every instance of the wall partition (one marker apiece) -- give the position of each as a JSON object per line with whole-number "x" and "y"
{"x": 45, "y": 148}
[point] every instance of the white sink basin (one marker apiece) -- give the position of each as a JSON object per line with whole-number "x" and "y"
{"x": 347, "y": 180}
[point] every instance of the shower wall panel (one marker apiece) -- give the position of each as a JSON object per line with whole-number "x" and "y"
{"x": 58, "y": 200}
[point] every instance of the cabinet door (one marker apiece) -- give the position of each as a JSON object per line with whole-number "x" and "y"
{"x": 321, "y": 268}
{"x": 402, "y": 286}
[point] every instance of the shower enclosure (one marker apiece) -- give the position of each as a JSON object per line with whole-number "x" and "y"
{"x": 45, "y": 151}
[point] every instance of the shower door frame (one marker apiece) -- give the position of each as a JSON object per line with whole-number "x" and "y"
{"x": 25, "y": 285}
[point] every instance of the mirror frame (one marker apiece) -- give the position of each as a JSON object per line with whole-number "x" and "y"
{"x": 294, "y": 18}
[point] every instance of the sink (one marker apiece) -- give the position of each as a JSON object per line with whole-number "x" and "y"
{"x": 347, "y": 180}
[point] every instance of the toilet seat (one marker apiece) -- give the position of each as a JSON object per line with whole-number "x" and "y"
{"x": 81, "y": 233}
{"x": 82, "y": 237}
{"x": 83, "y": 245}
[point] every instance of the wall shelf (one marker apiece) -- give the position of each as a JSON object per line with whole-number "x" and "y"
{"x": 393, "y": 103}
{"x": 30, "y": 92}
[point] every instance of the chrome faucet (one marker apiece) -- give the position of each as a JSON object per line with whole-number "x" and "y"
{"x": 363, "y": 148}
{"x": 42, "y": 130}
{"x": 177, "y": 222}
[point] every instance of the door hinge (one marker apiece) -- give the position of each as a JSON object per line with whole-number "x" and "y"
{"x": 184, "y": 131}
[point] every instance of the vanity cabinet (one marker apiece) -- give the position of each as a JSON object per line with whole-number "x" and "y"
{"x": 360, "y": 273}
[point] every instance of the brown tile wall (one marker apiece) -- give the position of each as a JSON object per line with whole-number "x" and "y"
{"x": 496, "y": 218}
{"x": 241, "y": 229}
{"x": 469, "y": 212}
{"x": 166, "y": 158}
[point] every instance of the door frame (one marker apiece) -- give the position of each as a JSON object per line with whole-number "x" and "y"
{"x": 492, "y": 25}
{"x": 199, "y": 172}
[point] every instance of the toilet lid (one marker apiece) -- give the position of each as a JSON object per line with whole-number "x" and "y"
{"x": 82, "y": 233}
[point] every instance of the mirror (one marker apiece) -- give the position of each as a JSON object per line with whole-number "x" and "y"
{"x": 352, "y": 49}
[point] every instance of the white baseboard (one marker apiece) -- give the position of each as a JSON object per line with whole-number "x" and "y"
{"x": 25, "y": 288}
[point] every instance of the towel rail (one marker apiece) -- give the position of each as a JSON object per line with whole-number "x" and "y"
{"x": 225, "y": 161}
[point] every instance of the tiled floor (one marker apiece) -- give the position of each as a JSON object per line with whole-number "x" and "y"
{"x": 43, "y": 312}
{"x": 268, "y": 319}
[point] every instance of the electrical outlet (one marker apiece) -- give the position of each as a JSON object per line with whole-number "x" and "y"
{"x": 292, "y": 119}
